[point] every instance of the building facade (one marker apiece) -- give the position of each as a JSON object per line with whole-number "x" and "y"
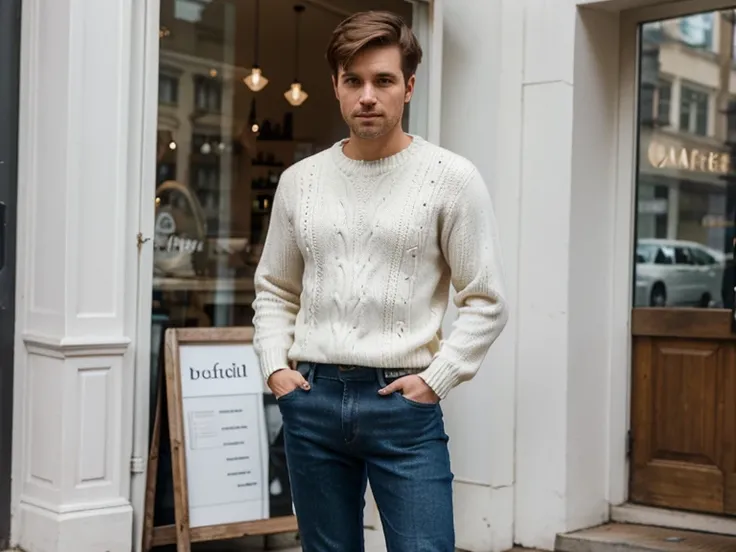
{"x": 148, "y": 152}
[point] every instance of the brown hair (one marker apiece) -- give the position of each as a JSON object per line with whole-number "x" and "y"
{"x": 368, "y": 29}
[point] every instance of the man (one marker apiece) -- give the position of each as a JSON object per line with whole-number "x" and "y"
{"x": 364, "y": 241}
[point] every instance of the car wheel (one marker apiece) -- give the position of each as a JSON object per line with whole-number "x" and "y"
{"x": 659, "y": 296}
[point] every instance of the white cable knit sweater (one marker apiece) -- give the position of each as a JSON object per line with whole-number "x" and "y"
{"x": 358, "y": 261}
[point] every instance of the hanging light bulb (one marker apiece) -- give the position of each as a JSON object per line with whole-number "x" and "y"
{"x": 256, "y": 81}
{"x": 253, "y": 118}
{"x": 295, "y": 95}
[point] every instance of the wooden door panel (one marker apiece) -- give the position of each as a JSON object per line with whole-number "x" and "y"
{"x": 684, "y": 386}
{"x": 688, "y": 323}
{"x": 683, "y": 412}
{"x": 728, "y": 415}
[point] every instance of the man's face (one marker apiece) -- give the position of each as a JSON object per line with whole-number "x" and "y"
{"x": 372, "y": 92}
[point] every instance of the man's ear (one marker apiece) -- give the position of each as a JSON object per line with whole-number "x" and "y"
{"x": 334, "y": 86}
{"x": 410, "y": 88}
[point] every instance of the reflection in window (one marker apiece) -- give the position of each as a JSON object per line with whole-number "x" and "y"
{"x": 731, "y": 122}
{"x": 167, "y": 89}
{"x": 653, "y": 32}
{"x": 686, "y": 185}
{"x": 694, "y": 111}
{"x": 664, "y": 99}
{"x": 207, "y": 93}
{"x": 697, "y": 30}
{"x": 190, "y": 10}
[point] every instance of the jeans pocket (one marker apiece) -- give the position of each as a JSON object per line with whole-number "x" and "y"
{"x": 417, "y": 404}
{"x": 288, "y": 395}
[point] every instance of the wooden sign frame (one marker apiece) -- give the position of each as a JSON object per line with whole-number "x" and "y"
{"x": 181, "y": 533}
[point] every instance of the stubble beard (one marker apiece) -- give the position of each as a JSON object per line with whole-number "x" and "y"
{"x": 371, "y": 132}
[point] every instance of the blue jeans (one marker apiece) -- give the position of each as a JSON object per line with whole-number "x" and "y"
{"x": 340, "y": 434}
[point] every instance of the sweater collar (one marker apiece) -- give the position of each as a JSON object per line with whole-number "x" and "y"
{"x": 379, "y": 166}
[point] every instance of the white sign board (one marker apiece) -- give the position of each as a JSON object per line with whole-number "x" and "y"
{"x": 225, "y": 433}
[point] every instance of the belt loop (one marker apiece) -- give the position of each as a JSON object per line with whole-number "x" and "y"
{"x": 381, "y": 377}
{"x": 312, "y": 370}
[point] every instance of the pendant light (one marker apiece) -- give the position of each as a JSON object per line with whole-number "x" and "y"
{"x": 255, "y": 128}
{"x": 256, "y": 81}
{"x": 295, "y": 95}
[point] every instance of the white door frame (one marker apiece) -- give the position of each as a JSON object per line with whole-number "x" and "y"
{"x": 144, "y": 113}
{"x": 621, "y": 350}
{"x": 426, "y": 104}
{"x": 144, "y": 116}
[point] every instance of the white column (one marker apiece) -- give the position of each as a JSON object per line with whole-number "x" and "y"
{"x": 566, "y": 257}
{"x": 76, "y": 272}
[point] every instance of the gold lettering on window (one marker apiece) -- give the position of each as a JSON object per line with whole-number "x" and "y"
{"x": 662, "y": 156}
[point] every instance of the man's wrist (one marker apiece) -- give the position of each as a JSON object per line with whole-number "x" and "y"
{"x": 441, "y": 376}
{"x": 273, "y": 360}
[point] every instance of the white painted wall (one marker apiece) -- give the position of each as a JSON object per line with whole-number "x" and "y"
{"x": 568, "y": 182}
{"x": 549, "y": 149}
{"x": 546, "y": 417}
{"x": 529, "y": 94}
{"x": 480, "y": 414}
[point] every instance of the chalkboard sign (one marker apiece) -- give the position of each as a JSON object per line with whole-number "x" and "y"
{"x": 222, "y": 464}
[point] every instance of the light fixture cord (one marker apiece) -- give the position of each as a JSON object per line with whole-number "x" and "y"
{"x": 256, "y": 33}
{"x": 296, "y": 46}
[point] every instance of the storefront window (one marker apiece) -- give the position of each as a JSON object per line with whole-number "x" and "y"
{"x": 686, "y": 182}
{"x": 226, "y": 132}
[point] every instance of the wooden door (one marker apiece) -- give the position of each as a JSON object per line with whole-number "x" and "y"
{"x": 683, "y": 401}
{"x": 683, "y": 422}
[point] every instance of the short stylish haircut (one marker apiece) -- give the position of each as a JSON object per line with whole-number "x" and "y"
{"x": 369, "y": 29}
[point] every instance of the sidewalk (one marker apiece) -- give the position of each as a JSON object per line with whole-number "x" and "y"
{"x": 373, "y": 542}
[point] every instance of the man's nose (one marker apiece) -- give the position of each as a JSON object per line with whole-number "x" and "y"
{"x": 368, "y": 96}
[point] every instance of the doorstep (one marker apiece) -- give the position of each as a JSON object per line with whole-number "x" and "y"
{"x": 619, "y": 537}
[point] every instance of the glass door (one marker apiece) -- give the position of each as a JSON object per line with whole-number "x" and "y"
{"x": 244, "y": 91}
{"x": 683, "y": 414}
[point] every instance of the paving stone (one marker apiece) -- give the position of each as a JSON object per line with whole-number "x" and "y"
{"x": 615, "y": 537}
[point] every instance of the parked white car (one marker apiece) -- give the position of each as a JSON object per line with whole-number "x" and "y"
{"x": 677, "y": 273}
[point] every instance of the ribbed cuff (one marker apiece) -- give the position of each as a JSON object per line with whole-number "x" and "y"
{"x": 441, "y": 376}
{"x": 273, "y": 360}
